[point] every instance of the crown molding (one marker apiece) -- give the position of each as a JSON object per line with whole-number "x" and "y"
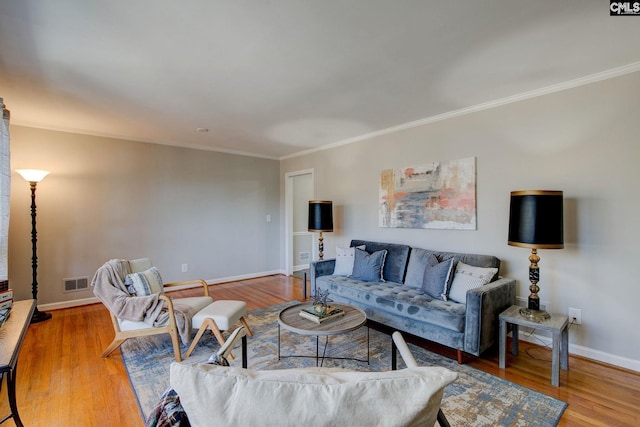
{"x": 559, "y": 87}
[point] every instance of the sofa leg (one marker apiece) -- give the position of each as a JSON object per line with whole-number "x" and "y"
{"x": 460, "y": 354}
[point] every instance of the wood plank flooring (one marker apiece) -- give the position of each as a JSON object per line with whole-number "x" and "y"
{"x": 63, "y": 381}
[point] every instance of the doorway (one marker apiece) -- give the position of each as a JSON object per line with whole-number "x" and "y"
{"x": 298, "y": 240}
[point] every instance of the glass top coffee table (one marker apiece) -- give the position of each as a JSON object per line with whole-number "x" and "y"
{"x": 290, "y": 319}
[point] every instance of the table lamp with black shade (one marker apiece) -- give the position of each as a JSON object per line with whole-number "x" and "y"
{"x": 536, "y": 222}
{"x": 33, "y": 177}
{"x": 320, "y": 220}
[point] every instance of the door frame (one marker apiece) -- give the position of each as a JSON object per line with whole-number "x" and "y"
{"x": 288, "y": 215}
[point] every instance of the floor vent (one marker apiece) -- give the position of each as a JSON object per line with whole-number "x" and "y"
{"x": 304, "y": 256}
{"x": 74, "y": 284}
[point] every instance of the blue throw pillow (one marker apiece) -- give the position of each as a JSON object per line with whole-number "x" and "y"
{"x": 437, "y": 277}
{"x": 368, "y": 267}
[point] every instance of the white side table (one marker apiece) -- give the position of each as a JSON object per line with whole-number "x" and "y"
{"x": 557, "y": 325}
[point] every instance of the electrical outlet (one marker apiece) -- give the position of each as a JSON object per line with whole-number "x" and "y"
{"x": 185, "y": 268}
{"x": 575, "y": 316}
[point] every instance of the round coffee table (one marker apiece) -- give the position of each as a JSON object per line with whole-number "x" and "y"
{"x": 290, "y": 319}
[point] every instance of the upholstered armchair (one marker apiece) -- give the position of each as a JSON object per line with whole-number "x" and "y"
{"x": 134, "y": 294}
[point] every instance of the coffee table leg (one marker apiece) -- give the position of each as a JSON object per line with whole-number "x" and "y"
{"x": 324, "y": 351}
{"x": 278, "y": 341}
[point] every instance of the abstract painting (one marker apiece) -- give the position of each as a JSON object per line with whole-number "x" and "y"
{"x": 441, "y": 195}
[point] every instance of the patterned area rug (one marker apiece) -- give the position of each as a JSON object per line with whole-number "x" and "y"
{"x": 475, "y": 399}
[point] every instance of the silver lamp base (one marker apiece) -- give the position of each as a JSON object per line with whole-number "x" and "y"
{"x": 535, "y": 315}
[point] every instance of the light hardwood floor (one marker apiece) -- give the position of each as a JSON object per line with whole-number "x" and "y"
{"x": 63, "y": 381}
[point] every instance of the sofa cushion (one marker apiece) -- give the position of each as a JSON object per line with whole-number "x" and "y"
{"x": 395, "y": 264}
{"x": 368, "y": 267}
{"x": 396, "y": 299}
{"x": 437, "y": 277}
{"x": 312, "y": 396}
{"x": 344, "y": 260}
{"x": 467, "y": 277}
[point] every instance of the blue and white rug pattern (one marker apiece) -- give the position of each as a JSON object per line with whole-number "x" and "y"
{"x": 477, "y": 398}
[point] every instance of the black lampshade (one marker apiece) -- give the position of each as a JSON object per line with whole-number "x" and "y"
{"x": 536, "y": 219}
{"x": 320, "y": 215}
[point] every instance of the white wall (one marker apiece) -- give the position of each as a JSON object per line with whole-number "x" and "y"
{"x": 108, "y": 198}
{"x": 584, "y": 141}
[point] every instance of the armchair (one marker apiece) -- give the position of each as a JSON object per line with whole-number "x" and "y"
{"x": 151, "y": 313}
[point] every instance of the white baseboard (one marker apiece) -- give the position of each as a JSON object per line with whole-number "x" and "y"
{"x": 68, "y": 304}
{"x": 94, "y": 300}
{"x": 589, "y": 353}
{"x": 245, "y": 277}
{"x": 301, "y": 267}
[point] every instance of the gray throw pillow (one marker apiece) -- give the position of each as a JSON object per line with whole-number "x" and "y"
{"x": 368, "y": 267}
{"x": 415, "y": 268}
{"x": 437, "y": 277}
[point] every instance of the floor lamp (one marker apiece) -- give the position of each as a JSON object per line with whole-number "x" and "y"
{"x": 320, "y": 219}
{"x": 536, "y": 222}
{"x": 34, "y": 176}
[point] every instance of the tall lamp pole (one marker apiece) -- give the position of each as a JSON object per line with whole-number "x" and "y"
{"x": 34, "y": 176}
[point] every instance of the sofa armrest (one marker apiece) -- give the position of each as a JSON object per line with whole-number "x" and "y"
{"x": 320, "y": 268}
{"x": 484, "y": 305}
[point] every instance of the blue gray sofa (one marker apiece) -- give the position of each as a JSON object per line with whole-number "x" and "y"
{"x": 397, "y": 302}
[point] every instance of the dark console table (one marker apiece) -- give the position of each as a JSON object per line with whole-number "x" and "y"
{"x": 12, "y": 333}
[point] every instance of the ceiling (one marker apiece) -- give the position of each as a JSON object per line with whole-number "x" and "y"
{"x": 273, "y": 78}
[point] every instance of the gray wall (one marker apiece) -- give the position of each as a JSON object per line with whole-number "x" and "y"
{"x": 584, "y": 141}
{"x": 108, "y": 198}
{"x": 111, "y": 198}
